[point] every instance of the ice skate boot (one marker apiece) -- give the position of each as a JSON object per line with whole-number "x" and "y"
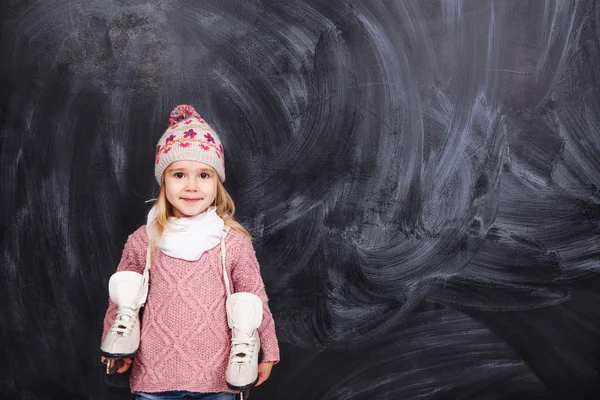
{"x": 128, "y": 292}
{"x": 244, "y": 315}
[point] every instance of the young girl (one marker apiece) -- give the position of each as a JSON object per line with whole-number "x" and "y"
{"x": 185, "y": 344}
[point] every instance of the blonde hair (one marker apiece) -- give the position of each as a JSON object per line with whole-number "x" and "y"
{"x": 223, "y": 202}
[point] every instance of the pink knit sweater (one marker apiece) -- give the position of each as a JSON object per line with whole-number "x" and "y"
{"x": 185, "y": 339}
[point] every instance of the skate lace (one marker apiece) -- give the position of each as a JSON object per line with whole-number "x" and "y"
{"x": 241, "y": 350}
{"x": 124, "y": 322}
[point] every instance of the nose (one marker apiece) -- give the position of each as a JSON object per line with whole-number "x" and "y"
{"x": 191, "y": 185}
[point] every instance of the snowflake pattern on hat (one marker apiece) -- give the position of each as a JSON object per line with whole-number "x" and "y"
{"x": 191, "y": 133}
{"x": 186, "y": 139}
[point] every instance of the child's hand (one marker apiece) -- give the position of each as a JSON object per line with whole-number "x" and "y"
{"x": 126, "y": 364}
{"x": 264, "y": 371}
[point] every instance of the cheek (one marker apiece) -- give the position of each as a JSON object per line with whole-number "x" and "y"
{"x": 209, "y": 189}
{"x": 172, "y": 188}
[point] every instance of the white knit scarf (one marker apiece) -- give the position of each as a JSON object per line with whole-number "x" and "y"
{"x": 188, "y": 238}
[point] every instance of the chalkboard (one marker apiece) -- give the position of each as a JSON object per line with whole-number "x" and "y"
{"x": 422, "y": 179}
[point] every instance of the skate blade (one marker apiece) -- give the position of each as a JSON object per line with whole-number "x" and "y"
{"x": 112, "y": 366}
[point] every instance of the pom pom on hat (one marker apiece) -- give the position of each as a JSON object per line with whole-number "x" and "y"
{"x": 183, "y": 112}
{"x": 190, "y": 138}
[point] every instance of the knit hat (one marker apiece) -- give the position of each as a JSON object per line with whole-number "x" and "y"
{"x": 189, "y": 138}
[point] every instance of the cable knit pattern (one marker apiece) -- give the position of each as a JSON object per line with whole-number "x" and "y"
{"x": 185, "y": 339}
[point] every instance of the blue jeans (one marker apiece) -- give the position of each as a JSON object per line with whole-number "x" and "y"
{"x": 182, "y": 395}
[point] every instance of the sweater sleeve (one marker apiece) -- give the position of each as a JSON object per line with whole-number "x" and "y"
{"x": 133, "y": 258}
{"x": 246, "y": 277}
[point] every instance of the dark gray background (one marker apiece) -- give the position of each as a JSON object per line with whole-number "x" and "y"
{"x": 421, "y": 177}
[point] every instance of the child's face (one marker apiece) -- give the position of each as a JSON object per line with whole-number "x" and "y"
{"x": 190, "y": 187}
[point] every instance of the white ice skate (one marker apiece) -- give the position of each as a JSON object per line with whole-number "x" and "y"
{"x": 128, "y": 291}
{"x": 244, "y": 315}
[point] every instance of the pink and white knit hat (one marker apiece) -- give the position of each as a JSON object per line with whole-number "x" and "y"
{"x": 189, "y": 138}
